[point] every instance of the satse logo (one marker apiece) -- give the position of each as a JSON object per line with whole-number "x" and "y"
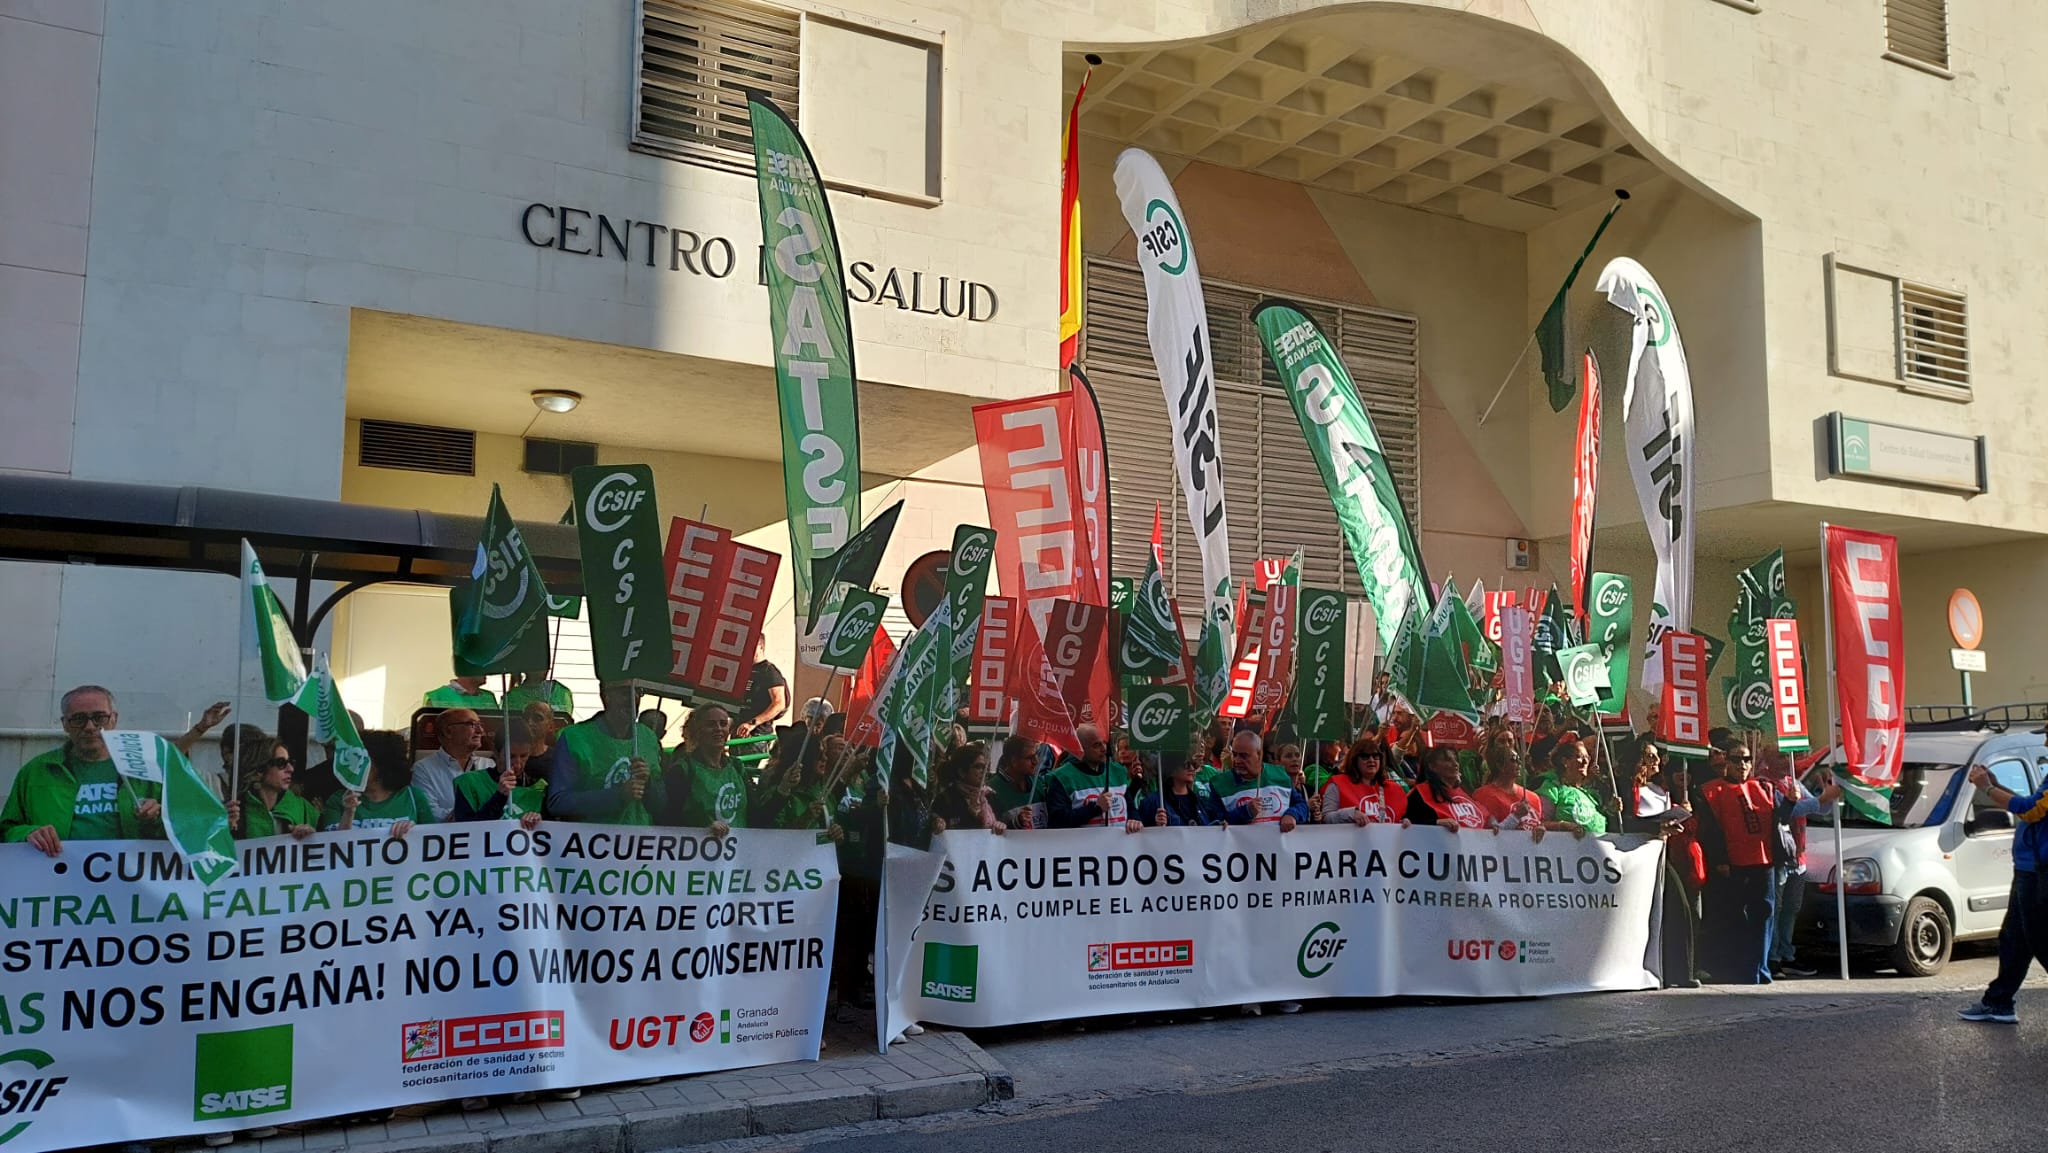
{"x": 22, "y": 1098}
{"x": 951, "y": 971}
{"x": 242, "y": 1073}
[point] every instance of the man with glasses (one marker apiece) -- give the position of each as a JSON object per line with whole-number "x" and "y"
{"x": 74, "y": 793}
{"x": 1740, "y": 819}
{"x": 462, "y": 734}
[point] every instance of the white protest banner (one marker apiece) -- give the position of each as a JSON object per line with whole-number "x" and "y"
{"x": 351, "y": 971}
{"x": 1075, "y": 923}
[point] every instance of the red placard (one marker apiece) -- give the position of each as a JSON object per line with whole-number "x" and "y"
{"x": 1028, "y": 477}
{"x": 1276, "y": 649}
{"x": 1870, "y": 652}
{"x": 1788, "y": 683}
{"x": 1492, "y": 603}
{"x": 693, "y": 562}
{"x": 1073, "y": 638}
{"x": 735, "y": 625}
{"x": 988, "y": 701}
{"x": 1682, "y": 721}
{"x": 1518, "y": 662}
{"x": 1585, "y": 487}
{"x": 1042, "y": 714}
{"x": 1450, "y": 731}
{"x": 1244, "y": 663}
{"x": 865, "y": 729}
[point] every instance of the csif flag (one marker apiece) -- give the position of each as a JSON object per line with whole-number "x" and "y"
{"x": 277, "y": 651}
{"x": 195, "y": 821}
{"x": 1870, "y": 651}
{"x": 1320, "y": 713}
{"x": 856, "y": 563}
{"x": 1352, "y": 461}
{"x": 330, "y": 724}
{"x": 1657, "y": 414}
{"x": 966, "y": 586}
{"x": 1609, "y": 626}
{"x": 1177, "y": 323}
{"x": 814, "y": 371}
{"x": 1151, "y": 644}
{"x": 618, "y": 538}
{"x": 505, "y": 597}
{"x": 1585, "y": 488}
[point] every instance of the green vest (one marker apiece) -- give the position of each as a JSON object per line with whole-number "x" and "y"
{"x": 1006, "y": 798}
{"x": 1272, "y": 790}
{"x": 450, "y": 697}
{"x": 290, "y": 811}
{"x": 555, "y": 693}
{"x": 710, "y": 793}
{"x": 1107, "y": 789}
{"x": 795, "y": 811}
{"x": 604, "y": 761}
{"x": 1573, "y": 804}
{"x": 480, "y": 786}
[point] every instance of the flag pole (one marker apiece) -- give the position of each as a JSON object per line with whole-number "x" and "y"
{"x": 1620, "y": 194}
{"x": 1827, "y": 628}
{"x": 1509, "y": 378}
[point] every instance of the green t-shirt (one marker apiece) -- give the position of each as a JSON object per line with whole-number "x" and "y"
{"x": 480, "y": 786}
{"x": 795, "y": 809}
{"x": 291, "y": 810}
{"x": 604, "y": 761}
{"x": 96, "y": 814}
{"x": 1573, "y": 804}
{"x": 710, "y": 793}
{"x": 408, "y": 804}
{"x": 555, "y": 693}
{"x": 448, "y": 696}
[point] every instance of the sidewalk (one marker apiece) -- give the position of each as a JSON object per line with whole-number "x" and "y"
{"x": 936, "y": 1073}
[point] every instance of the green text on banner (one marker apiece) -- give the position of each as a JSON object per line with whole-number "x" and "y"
{"x": 814, "y": 374}
{"x": 618, "y": 536}
{"x": 1348, "y": 453}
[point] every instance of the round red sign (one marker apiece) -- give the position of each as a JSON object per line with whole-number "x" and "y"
{"x": 1965, "y": 619}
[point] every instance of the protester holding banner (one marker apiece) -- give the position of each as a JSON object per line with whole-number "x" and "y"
{"x": 862, "y": 849}
{"x": 1015, "y": 783}
{"x": 389, "y": 799}
{"x": 1564, "y": 786}
{"x": 910, "y": 808}
{"x": 73, "y": 792}
{"x": 461, "y": 733}
{"x": 464, "y": 692}
{"x": 1088, "y": 789}
{"x": 600, "y": 772}
{"x": 1439, "y": 798}
{"x": 705, "y": 788}
{"x": 961, "y": 798}
{"x": 504, "y": 792}
{"x": 1364, "y": 792}
{"x": 1180, "y": 799}
{"x": 268, "y": 807}
{"x": 1256, "y": 793}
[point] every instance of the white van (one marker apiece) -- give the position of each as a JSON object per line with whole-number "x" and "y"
{"x": 1941, "y": 872}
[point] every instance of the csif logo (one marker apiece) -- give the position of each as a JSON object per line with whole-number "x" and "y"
{"x": 612, "y": 500}
{"x": 1154, "y": 715}
{"x": 1164, "y": 240}
{"x": 1612, "y": 598}
{"x": 1319, "y": 950}
{"x": 23, "y": 1097}
{"x": 973, "y": 555}
{"x": 1322, "y": 613}
{"x": 242, "y": 1073}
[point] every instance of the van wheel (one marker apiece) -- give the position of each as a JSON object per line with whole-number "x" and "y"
{"x": 1924, "y": 939}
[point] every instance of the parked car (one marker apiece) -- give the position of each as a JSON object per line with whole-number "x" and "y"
{"x": 1941, "y": 871}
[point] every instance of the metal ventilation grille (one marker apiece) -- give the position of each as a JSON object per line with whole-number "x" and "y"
{"x": 1934, "y": 335}
{"x": 1272, "y": 489}
{"x": 1918, "y": 30}
{"x": 417, "y": 447}
{"x": 698, "y": 59}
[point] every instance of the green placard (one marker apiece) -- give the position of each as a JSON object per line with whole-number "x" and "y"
{"x": 1319, "y": 709}
{"x": 853, "y": 631}
{"x": 618, "y": 535}
{"x": 1160, "y": 718}
{"x": 1609, "y": 619}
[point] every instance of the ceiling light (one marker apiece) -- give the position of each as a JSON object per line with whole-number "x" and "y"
{"x": 556, "y": 399}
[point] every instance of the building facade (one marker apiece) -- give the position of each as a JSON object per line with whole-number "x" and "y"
{"x": 333, "y": 250}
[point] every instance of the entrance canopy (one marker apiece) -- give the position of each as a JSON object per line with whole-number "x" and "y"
{"x": 59, "y": 520}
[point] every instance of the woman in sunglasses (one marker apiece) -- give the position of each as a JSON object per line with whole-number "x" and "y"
{"x": 268, "y": 806}
{"x": 1364, "y": 792}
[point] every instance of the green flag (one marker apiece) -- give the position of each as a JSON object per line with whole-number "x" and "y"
{"x": 194, "y": 819}
{"x": 277, "y": 651}
{"x": 320, "y": 700}
{"x": 1585, "y": 674}
{"x": 1445, "y": 679}
{"x": 813, "y": 350}
{"x": 1871, "y": 804}
{"x": 910, "y": 710}
{"x": 618, "y": 538}
{"x": 966, "y": 584}
{"x": 856, "y": 563}
{"x": 1479, "y": 654}
{"x": 531, "y": 653}
{"x": 1759, "y": 596}
{"x": 506, "y": 597}
{"x": 1608, "y": 624}
{"x": 1553, "y": 635}
{"x": 853, "y": 629}
{"x": 1151, "y": 645}
{"x": 1404, "y": 659}
{"x": 1212, "y": 654}
{"x": 1550, "y": 340}
{"x": 1352, "y": 461}
{"x": 1320, "y": 713}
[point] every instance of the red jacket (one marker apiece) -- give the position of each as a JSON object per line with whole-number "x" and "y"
{"x": 1745, "y": 816}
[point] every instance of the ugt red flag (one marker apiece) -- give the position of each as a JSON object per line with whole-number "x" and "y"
{"x": 1518, "y": 662}
{"x": 1042, "y": 714}
{"x": 1870, "y": 652}
{"x": 1585, "y": 488}
{"x": 1275, "y": 671}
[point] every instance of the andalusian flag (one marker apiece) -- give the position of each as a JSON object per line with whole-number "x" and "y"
{"x": 1550, "y": 330}
{"x": 1874, "y": 805}
{"x": 1070, "y": 229}
{"x": 277, "y": 651}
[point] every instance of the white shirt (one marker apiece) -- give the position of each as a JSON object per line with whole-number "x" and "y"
{"x": 435, "y": 774}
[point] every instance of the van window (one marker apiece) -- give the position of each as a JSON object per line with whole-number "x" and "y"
{"x": 1925, "y": 795}
{"x": 2011, "y": 775}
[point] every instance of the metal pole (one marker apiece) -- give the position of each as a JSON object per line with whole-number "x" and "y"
{"x": 1509, "y": 378}
{"x": 1827, "y": 628}
{"x": 1968, "y": 704}
{"x": 241, "y": 678}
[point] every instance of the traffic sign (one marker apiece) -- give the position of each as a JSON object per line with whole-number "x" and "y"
{"x": 1966, "y": 660}
{"x": 1965, "y": 619}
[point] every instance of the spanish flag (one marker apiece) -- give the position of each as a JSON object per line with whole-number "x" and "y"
{"x": 1070, "y": 229}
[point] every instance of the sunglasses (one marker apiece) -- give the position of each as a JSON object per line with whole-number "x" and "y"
{"x": 80, "y": 720}
{"x": 279, "y": 763}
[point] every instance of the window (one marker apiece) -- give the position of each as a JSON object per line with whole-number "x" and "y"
{"x": 698, "y": 60}
{"x": 1273, "y": 491}
{"x": 1916, "y": 33}
{"x": 867, "y": 97}
{"x": 1889, "y": 330}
